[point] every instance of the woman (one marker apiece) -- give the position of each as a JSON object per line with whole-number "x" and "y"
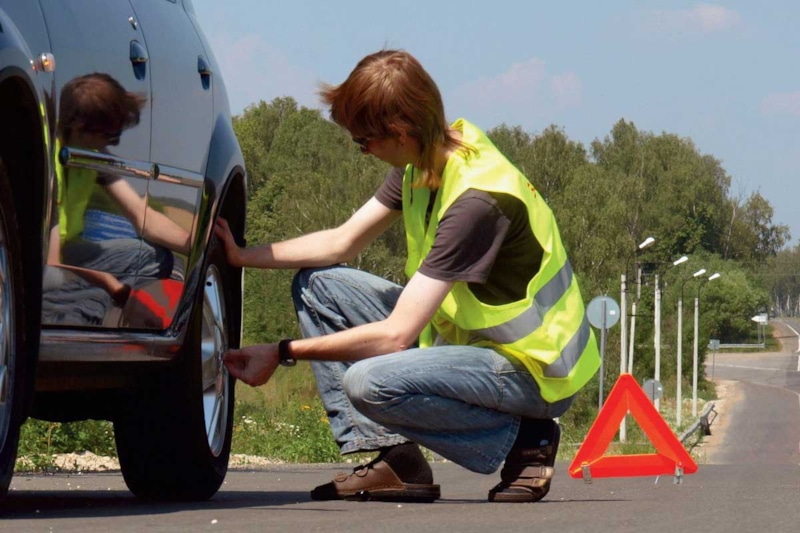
{"x": 485, "y": 344}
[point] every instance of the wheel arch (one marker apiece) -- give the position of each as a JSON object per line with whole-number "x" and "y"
{"x": 226, "y": 187}
{"x": 233, "y": 207}
{"x": 24, "y": 145}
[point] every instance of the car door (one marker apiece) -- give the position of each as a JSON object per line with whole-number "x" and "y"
{"x": 182, "y": 98}
{"x": 102, "y": 160}
{"x": 182, "y": 87}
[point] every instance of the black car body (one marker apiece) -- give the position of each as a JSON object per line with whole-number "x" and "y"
{"x": 117, "y": 153}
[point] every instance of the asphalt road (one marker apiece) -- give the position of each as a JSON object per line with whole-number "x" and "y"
{"x": 732, "y": 498}
{"x": 753, "y": 485}
{"x": 764, "y": 421}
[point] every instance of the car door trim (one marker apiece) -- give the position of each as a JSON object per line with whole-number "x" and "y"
{"x": 106, "y": 163}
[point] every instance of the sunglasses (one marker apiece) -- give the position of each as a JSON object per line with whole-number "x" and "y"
{"x": 362, "y": 142}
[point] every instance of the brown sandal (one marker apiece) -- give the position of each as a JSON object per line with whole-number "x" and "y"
{"x": 375, "y": 481}
{"x": 527, "y": 472}
{"x": 522, "y": 483}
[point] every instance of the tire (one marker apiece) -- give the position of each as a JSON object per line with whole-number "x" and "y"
{"x": 174, "y": 434}
{"x": 12, "y": 365}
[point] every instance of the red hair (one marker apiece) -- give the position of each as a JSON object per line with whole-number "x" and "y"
{"x": 389, "y": 92}
{"x": 97, "y": 103}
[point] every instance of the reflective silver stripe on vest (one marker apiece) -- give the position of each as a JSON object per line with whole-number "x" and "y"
{"x": 523, "y": 325}
{"x": 561, "y": 367}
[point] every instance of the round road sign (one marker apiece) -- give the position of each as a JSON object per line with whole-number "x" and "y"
{"x": 603, "y": 312}
{"x": 653, "y": 389}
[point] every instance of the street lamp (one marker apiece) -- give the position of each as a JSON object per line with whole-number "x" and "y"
{"x": 624, "y": 318}
{"x": 657, "y": 315}
{"x": 696, "y": 323}
{"x": 628, "y": 366}
{"x": 679, "y": 393}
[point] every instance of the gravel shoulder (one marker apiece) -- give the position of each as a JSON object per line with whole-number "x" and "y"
{"x": 90, "y": 462}
{"x": 728, "y": 395}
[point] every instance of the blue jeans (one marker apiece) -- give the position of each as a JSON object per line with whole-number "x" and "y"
{"x": 462, "y": 402}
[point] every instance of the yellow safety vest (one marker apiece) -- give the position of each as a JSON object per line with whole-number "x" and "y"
{"x": 75, "y": 188}
{"x": 547, "y": 330}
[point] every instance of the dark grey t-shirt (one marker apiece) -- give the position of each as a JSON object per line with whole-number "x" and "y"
{"x": 484, "y": 239}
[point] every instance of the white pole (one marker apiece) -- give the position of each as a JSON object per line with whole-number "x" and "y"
{"x": 633, "y": 319}
{"x": 657, "y": 339}
{"x": 680, "y": 347}
{"x": 602, "y": 356}
{"x": 632, "y": 338}
{"x": 678, "y": 394}
{"x": 622, "y": 344}
{"x": 623, "y": 303}
{"x": 694, "y": 358}
{"x": 622, "y": 367}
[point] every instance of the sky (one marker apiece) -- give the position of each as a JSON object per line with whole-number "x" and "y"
{"x": 723, "y": 74}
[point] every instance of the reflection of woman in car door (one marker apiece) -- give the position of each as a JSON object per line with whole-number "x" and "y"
{"x": 94, "y": 111}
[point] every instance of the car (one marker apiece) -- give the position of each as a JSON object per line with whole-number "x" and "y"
{"x": 117, "y": 155}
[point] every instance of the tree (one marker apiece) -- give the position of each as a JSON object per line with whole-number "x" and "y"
{"x": 548, "y": 160}
{"x": 753, "y": 236}
{"x": 255, "y": 129}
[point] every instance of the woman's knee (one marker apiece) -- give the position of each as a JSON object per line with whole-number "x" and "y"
{"x": 302, "y": 283}
{"x": 301, "y": 280}
{"x": 304, "y": 278}
{"x": 360, "y": 386}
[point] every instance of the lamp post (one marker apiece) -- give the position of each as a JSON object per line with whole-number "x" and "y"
{"x": 624, "y": 318}
{"x": 679, "y": 382}
{"x": 696, "y": 323}
{"x": 657, "y": 329}
{"x": 629, "y": 364}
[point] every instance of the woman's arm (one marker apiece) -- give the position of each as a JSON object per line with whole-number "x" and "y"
{"x": 418, "y": 302}
{"x": 321, "y": 248}
{"x": 156, "y": 227}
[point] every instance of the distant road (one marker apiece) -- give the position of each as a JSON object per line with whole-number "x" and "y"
{"x": 763, "y": 423}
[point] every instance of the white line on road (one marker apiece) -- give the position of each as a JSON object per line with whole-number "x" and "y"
{"x": 757, "y": 368}
{"x": 798, "y": 340}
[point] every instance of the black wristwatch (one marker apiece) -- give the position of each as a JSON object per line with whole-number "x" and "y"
{"x": 284, "y": 354}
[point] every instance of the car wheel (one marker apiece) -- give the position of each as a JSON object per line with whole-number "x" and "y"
{"x": 174, "y": 435}
{"x": 12, "y": 367}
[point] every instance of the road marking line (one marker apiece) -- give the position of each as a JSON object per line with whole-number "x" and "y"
{"x": 757, "y": 368}
{"x": 798, "y": 339}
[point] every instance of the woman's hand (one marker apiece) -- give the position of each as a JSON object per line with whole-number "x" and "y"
{"x": 232, "y": 250}
{"x": 253, "y": 365}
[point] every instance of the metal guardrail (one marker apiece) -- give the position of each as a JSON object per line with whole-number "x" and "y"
{"x": 703, "y": 422}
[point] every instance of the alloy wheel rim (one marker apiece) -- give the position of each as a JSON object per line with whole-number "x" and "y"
{"x": 214, "y": 343}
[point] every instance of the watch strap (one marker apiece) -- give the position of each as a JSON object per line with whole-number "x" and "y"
{"x": 284, "y": 353}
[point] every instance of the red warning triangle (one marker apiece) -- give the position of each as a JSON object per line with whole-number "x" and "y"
{"x": 626, "y": 396}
